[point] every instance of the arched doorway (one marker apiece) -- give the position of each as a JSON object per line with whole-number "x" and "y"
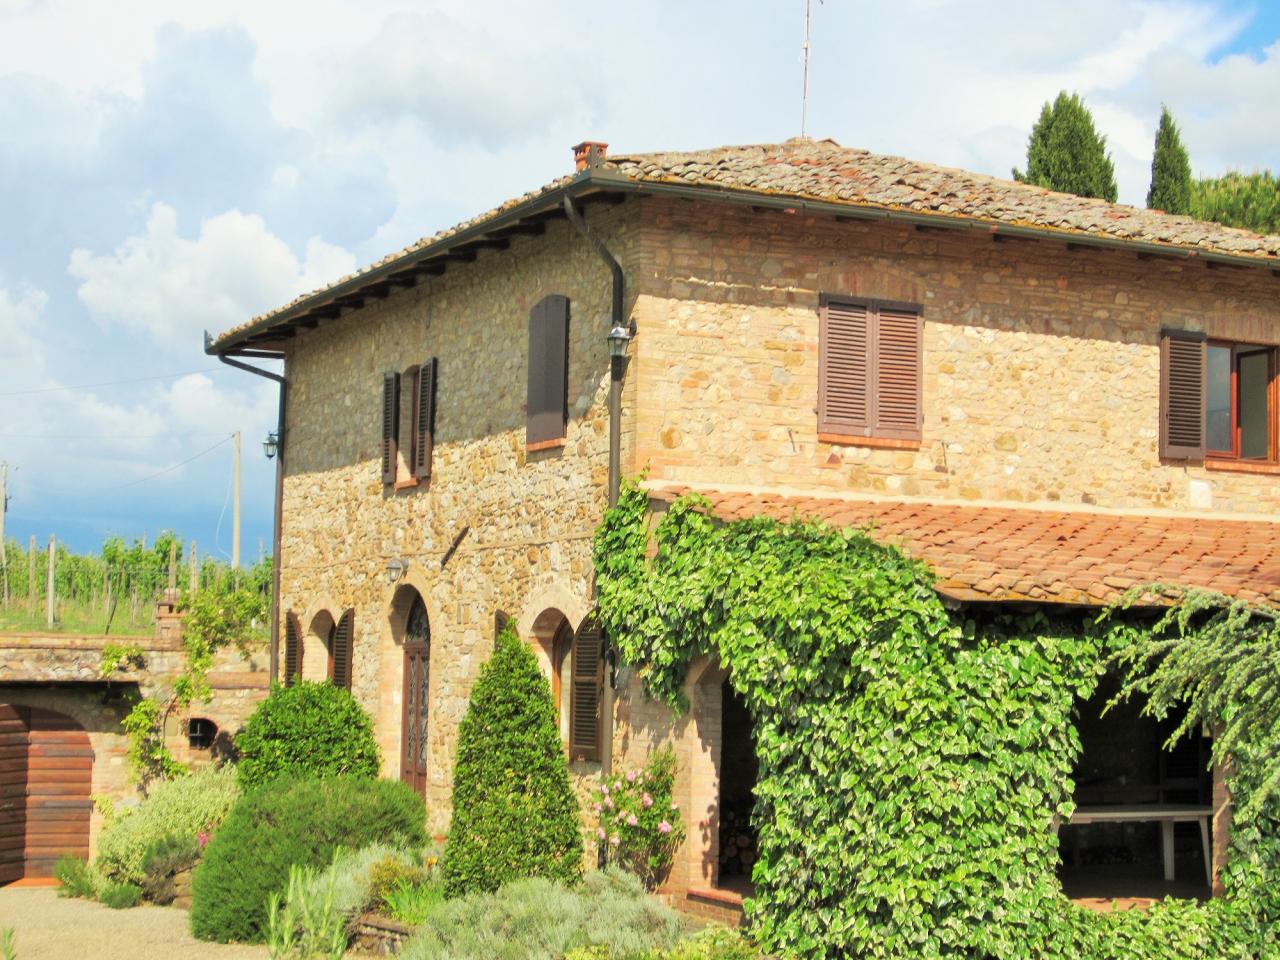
{"x": 46, "y": 775}
{"x": 414, "y": 724}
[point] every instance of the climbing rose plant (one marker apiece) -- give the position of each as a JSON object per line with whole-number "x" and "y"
{"x": 638, "y": 824}
{"x": 911, "y": 760}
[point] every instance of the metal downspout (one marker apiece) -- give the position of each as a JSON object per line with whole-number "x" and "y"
{"x": 274, "y": 643}
{"x": 616, "y": 368}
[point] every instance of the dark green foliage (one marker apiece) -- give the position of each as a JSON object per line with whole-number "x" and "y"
{"x": 1248, "y": 201}
{"x": 1170, "y": 169}
{"x": 311, "y": 730}
{"x": 290, "y": 822}
{"x": 165, "y": 858}
{"x": 514, "y": 813}
{"x": 911, "y": 761}
{"x": 119, "y": 896}
{"x": 76, "y": 877}
{"x": 1065, "y": 152}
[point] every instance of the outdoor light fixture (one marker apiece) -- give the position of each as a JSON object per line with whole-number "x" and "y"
{"x": 619, "y": 339}
{"x": 271, "y": 445}
{"x": 396, "y": 569}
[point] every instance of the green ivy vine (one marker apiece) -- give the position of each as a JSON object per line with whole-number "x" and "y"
{"x": 911, "y": 759}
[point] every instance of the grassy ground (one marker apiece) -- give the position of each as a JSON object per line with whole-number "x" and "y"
{"x": 76, "y": 618}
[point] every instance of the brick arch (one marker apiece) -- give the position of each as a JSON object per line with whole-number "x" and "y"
{"x": 317, "y": 630}
{"x": 551, "y": 596}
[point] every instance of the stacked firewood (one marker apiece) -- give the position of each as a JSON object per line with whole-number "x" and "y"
{"x": 737, "y": 844}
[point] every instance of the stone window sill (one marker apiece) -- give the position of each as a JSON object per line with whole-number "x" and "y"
{"x": 406, "y": 484}
{"x": 555, "y": 444}
{"x": 884, "y": 443}
{"x": 1243, "y": 466}
{"x": 716, "y": 895}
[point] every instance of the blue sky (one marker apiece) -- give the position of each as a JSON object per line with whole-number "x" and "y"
{"x": 171, "y": 167}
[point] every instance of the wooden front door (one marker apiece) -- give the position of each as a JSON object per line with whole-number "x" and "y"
{"x": 417, "y": 662}
{"x": 13, "y": 793}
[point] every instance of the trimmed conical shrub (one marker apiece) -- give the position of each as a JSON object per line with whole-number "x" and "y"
{"x": 1170, "y": 169}
{"x": 514, "y": 812}
{"x": 1066, "y": 153}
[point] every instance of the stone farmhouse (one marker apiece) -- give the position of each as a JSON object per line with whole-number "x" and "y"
{"x": 1048, "y": 398}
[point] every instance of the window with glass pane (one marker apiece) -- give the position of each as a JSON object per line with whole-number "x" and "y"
{"x": 1254, "y": 378}
{"x": 1218, "y": 419}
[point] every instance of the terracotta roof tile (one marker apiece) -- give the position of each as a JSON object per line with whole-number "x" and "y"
{"x": 822, "y": 170}
{"x": 1030, "y": 554}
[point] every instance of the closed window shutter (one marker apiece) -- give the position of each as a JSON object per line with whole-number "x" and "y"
{"x": 1182, "y": 395}
{"x": 548, "y": 396}
{"x": 341, "y": 650}
{"x": 424, "y": 418}
{"x": 390, "y": 425}
{"x": 844, "y": 378}
{"x": 584, "y": 694}
{"x": 292, "y": 649}
{"x": 897, "y": 377}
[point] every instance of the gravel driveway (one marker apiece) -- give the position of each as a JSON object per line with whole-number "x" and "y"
{"x": 50, "y": 928}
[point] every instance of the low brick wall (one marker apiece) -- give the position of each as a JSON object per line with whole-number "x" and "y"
{"x": 380, "y": 936}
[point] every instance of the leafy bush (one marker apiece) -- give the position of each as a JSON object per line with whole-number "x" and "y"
{"x": 640, "y": 827}
{"x": 287, "y": 823}
{"x": 304, "y": 925}
{"x": 164, "y": 859}
{"x": 358, "y": 873}
{"x": 911, "y": 761}
{"x": 410, "y": 902}
{"x": 176, "y": 809}
{"x": 8, "y": 951}
{"x": 76, "y": 878}
{"x": 307, "y": 730}
{"x": 540, "y": 919}
{"x": 389, "y": 873}
{"x": 712, "y": 943}
{"x": 1250, "y": 201}
{"x": 119, "y": 896}
{"x": 514, "y": 813}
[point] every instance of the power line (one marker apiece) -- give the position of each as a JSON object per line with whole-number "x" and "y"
{"x": 175, "y": 466}
{"x": 110, "y": 383}
{"x": 98, "y": 436}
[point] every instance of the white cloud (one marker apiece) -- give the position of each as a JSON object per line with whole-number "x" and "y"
{"x": 172, "y": 288}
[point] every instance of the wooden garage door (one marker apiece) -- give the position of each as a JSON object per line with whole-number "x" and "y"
{"x": 13, "y": 793}
{"x": 59, "y": 777}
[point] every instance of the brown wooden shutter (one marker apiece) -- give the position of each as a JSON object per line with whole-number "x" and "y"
{"x": 844, "y": 374}
{"x": 1182, "y": 395}
{"x": 896, "y": 377}
{"x": 584, "y": 694}
{"x": 292, "y": 648}
{"x": 340, "y": 651}
{"x": 424, "y": 418}
{"x": 390, "y": 425}
{"x": 548, "y": 397}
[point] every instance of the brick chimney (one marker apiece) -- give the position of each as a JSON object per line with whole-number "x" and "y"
{"x": 589, "y": 153}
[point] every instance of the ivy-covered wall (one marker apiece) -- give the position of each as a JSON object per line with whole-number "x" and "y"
{"x": 911, "y": 759}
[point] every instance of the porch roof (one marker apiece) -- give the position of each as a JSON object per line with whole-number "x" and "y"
{"x": 1001, "y": 553}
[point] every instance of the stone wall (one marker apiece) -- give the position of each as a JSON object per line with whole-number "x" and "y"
{"x": 496, "y": 527}
{"x": 1041, "y": 364}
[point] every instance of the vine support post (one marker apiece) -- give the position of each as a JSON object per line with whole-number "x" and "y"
{"x": 31, "y": 576}
{"x": 49, "y": 601}
{"x": 193, "y": 573}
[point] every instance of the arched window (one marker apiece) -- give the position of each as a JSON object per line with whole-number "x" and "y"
{"x": 292, "y": 648}
{"x": 340, "y": 648}
{"x": 417, "y": 687}
{"x": 201, "y": 733}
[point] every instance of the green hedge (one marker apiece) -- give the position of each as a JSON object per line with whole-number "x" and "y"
{"x": 289, "y": 822}
{"x": 514, "y": 812}
{"x": 911, "y": 759}
{"x": 307, "y": 730}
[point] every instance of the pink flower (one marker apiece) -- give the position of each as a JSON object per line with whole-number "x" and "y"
{"x": 664, "y": 827}
{"x": 631, "y": 777}
{"x": 613, "y": 841}
{"x": 608, "y": 802}
{"x": 202, "y": 838}
{"x": 600, "y": 832}
{"x": 632, "y": 821}
{"x": 604, "y": 788}
{"x": 647, "y": 801}
{"x": 597, "y": 807}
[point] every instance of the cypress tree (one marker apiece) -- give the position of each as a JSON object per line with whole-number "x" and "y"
{"x": 1066, "y": 153}
{"x": 1170, "y": 169}
{"x": 514, "y": 812}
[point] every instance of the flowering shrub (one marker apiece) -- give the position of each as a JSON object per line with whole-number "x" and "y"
{"x": 639, "y": 824}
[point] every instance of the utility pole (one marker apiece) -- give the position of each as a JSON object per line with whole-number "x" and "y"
{"x": 235, "y": 512}
{"x": 4, "y": 508}
{"x": 804, "y": 96}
